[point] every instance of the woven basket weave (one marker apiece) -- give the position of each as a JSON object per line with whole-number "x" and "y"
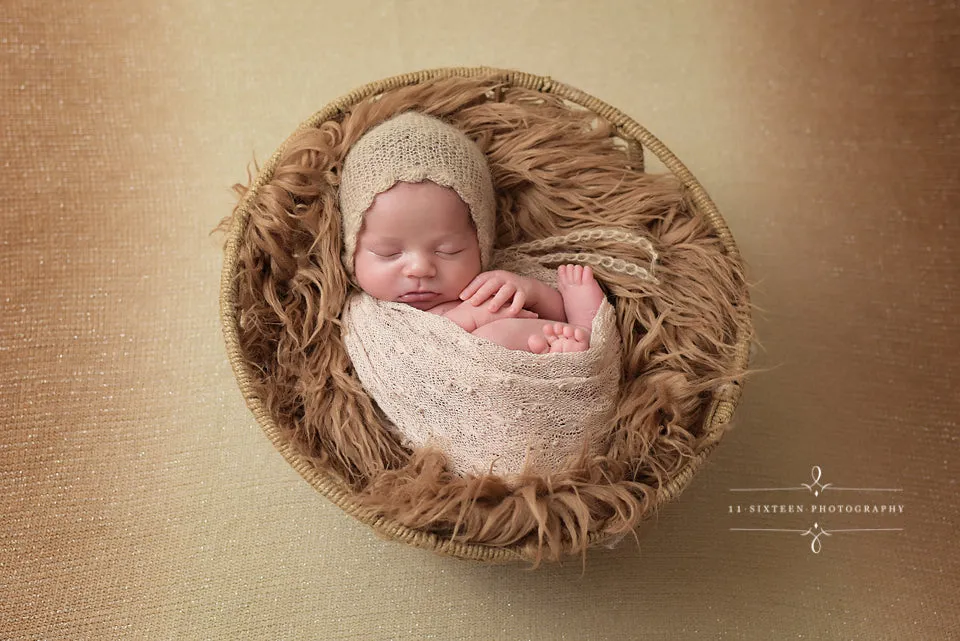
{"x": 722, "y": 404}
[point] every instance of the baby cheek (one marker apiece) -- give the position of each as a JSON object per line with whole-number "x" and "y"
{"x": 366, "y": 273}
{"x": 382, "y": 278}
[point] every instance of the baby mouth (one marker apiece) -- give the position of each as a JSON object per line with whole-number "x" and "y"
{"x": 415, "y": 297}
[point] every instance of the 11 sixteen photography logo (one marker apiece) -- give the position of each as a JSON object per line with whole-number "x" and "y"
{"x": 820, "y": 509}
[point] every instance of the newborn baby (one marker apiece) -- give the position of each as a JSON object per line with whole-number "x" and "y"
{"x": 418, "y": 212}
{"x": 418, "y": 245}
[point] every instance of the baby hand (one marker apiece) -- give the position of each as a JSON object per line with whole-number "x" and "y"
{"x": 499, "y": 287}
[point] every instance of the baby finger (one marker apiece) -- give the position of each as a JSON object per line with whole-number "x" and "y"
{"x": 506, "y": 292}
{"x": 485, "y": 292}
{"x": 519, "y": 300}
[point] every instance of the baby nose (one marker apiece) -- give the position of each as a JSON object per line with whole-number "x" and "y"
{"x": 419, "y": 266}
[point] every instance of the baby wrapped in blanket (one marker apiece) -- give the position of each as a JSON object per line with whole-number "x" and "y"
{"x": 501, "y": 371}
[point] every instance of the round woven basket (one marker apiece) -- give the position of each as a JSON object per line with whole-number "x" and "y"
{"x": 719, "y": 405}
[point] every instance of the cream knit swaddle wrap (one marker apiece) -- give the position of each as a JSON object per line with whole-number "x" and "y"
{"x": 486, "y": 407}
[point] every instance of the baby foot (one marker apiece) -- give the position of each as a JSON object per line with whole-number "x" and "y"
{"x": 581, "y": 294}
{"x": 564, "y": 338}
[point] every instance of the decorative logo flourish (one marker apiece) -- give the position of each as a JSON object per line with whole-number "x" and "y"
{"x": 816, "y": 532}
{"x": 815, "y": 543}
{"x": 815, "y": 473}
{"x": 816, "y": 486}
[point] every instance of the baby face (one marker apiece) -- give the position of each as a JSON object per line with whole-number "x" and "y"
{"x": 417, "y": 246}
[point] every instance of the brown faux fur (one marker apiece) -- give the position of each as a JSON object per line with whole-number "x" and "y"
{"x": 556, "y": 169}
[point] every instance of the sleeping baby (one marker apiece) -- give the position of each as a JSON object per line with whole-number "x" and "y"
{"x": 504, "y": 373}
{"x": 418, "y": 195}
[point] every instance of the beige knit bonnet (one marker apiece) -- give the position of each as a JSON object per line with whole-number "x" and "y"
{"x": 414, "y": 147}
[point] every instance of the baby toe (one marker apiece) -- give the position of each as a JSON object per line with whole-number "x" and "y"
{"x": 538, "y": 344}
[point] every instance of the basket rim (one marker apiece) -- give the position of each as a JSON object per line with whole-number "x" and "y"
{"x": 724, "y": 400}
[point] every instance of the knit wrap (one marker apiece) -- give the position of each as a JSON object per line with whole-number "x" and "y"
{"x": 486, "y": 407}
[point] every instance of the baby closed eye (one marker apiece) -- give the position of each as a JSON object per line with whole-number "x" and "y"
{"x": 388, "y": 254}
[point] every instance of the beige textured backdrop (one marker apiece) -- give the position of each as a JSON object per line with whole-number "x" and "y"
{"x": 141, "y": 500}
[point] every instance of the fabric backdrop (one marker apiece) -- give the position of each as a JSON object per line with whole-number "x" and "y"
{"x": 139, "y": 497}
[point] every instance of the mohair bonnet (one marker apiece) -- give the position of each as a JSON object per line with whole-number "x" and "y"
{"x": 413, "y": 147}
